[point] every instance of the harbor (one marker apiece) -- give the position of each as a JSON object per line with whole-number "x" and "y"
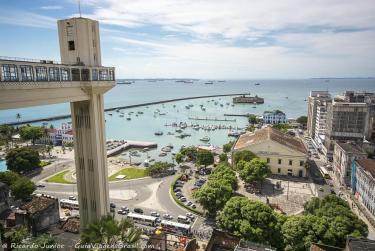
{"x": 115, "y": 147}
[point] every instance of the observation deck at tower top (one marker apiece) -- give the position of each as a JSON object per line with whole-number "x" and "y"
{"x": 30, "y": 82}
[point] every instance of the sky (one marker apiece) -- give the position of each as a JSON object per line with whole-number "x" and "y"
{"x": 212, "y": 39}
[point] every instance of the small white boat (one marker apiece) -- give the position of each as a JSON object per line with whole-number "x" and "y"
{"x": 158, "y": 133}
{"x": 205, "y": 139}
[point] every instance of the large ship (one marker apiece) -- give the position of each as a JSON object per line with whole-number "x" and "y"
{"x": 248, "y": 99}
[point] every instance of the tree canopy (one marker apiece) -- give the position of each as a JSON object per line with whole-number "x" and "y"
{"x": 282, "y": 127}
{"x": 228, "y": 146}
{"x": 224, "y": 174}
{"x": 256, "y": 170}
{"x": 213, "y": 195}
{"x": 109, "y": 231}
{"x": 253, "y": 119}
{"x": 302, "y": 120}
{"x": 21, "y": 187}
{"x": 205, "y": 157}
{"x": 31, "y": 133}
{"x": 190, "y": 152}
{"x": 250, "y": 220}
{"x": 159, "y": 167}
{"x": 245, "y": 155}
{"x": 23, "y": 159}
{"x": 6, "y": 133}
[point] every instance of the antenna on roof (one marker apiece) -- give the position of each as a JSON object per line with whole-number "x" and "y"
{"x": 79, "y": 8}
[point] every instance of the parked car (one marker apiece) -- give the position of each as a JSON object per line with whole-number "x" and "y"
{"x": 71, "y": 197}
{"x": 183, "y": 199}
{"x": 155, "y": 214}
{"x": 138, "y": 210}
{"x": 40, "y": 185}
{"x": 177, "y": 190}
{"x": 121, "y": 212}
{"x": 188, "y": 203}
{"x": 193, "y": 206}
{"x": 125, "y": 209}
{"x": 112, "y": 205}
{"x": 167, "y": 216}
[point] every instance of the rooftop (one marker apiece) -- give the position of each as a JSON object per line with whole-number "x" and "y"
{"x": 71, "y": 225}
{"x": 38, "y": 203}
{"x": 368, "y": 165}
{"x": 269, "y": 133}
{"x": 363, "y": 244}
{"x": 350, "y": 148}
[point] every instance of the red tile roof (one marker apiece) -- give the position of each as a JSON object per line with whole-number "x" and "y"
{"x": 272, "y": 134}
{"x": 38, "y": 203}
{"x": 368, "y": 165}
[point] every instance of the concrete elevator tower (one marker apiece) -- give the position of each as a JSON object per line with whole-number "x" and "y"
{"x": 80, "y": 45}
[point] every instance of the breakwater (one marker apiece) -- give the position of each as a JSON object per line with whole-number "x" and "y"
{"x": 65, "y": 116}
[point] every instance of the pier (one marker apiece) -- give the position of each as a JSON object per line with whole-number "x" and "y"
{"x": 212, "y": 119}
{"x": 238, "y": 115}
{"x": 121, "y": 107}
{"x": 126, "y": 144}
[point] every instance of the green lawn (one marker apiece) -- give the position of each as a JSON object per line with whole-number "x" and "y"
{"x": 59, "y": 178}
{"x": 130, "y": 173}
{"x": 44, "y": 163}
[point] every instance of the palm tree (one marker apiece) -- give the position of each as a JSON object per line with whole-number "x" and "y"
{"x": 18, "y": 117}
{"x": 109, "y": 231}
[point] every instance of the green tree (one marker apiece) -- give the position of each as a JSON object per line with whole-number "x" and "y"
{"x": 18, "y": 117}
{"x": 110, "y": 231}
{"x": 223, "y": 157}
{"x": 302, "y": 120}
{"x": 31, "y": 133}
{"x": 255, "y": 171}
{"x": 228, "y": 146}
{"x": 190, "y": 152}
{"x": 282, "y": 127}
{"x": 205, "y": 157}
{"x": 9, "y": 177}
{"x": 245, "y": 155}
{"x": 300, "y": 231}
{"x": 179, "y": 158}
{"x": 6, "y": 133}
{"x": 159, "y": 167}
{"x": 21, "y": 160}
{"x": 250, "y": 128}
{"x": 225, "y": 175}
{"x": 22, "y": 188}
{"x": 250, "y": 220}
{"x": 213, "y": 195}
{"x": 253, "y": 119}
{"x": 41, "y": 242}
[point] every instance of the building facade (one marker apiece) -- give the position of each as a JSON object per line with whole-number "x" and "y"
{"x": 286, "y": 155}
{"x": 59, "y": 136}
{"x": 313, "y": 102}
{"x": 344, "y": 155}
{"x": 274, "y": 117}
{"x": 363, "y": 182}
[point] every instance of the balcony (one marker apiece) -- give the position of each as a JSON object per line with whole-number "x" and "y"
{"x": 29, "y": 82}
{"x": 20, "y": 70}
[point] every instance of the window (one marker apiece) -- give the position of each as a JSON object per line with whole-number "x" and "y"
{"x": 268, "y": 160}
{"x": 94, "y": 74}
{"x": 26, "y": 73}
{"x": 103, "y": 75}
{"x": 111, "y": 75}
{"x": 65, "y": 74}
{"x": 41, "y": 73}
{"x": 9, "y": 72}
{"x": 301, "y": 163}
{"x": 54, "y": 74}
{"x": 85, "y": 74}
{"x": 71, "y": 45}
{"x": 76, "y": 75}
{"x": 278, "y": 170}
{"x": 279, "y": 161}
{"x": 290, "y": 162}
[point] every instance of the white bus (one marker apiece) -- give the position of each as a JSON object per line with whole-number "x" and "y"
{"x": 142, "y": 219}
{"x": 71, "y": 204}
{"x": 176, "y": 227}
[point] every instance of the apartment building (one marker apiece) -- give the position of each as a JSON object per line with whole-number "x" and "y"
{"x": 314, "y": 101}
{"x": 274, "y": 117}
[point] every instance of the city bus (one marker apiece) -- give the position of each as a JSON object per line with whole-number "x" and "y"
{"x": 71, "y": 204}
{"x": 324, "y": 172}
{"x": 176, "y": 227}
{"x": 142, "y": 219}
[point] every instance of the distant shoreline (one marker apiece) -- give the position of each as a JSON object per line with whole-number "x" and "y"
{"x": 65, "y": 116}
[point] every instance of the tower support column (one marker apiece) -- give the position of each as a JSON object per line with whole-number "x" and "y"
{"x": 90, "y": 157}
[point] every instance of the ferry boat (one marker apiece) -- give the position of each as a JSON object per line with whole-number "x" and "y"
{"x": 158, "y": 133}
{"x": 205, "y": 139}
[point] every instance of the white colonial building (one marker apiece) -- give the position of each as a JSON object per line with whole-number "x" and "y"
{"x": 274, "y": 117}
{"x": 363, "y": 182}
{"x": 286, "y": 155}
{"x": 343, "y": 156}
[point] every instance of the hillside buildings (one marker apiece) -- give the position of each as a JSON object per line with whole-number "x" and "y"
{"x": 344, "y": 155}
{"x": 286, "y": 155}
{"x": 349, "y": 117}
{"x": 274, "y": 117}
{"x": 363, "y": 182}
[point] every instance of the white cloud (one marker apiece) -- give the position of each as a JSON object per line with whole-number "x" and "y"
{"x": 25, "y": 18}
{"x": 51, "y": 7}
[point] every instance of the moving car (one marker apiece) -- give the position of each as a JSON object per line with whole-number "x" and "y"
{"x": 138, "y": 210}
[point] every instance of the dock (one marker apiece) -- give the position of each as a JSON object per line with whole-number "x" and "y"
{"x": 126, "y": 144}
{"x": 238, "y": 115}
{"x": 212, "y": 119}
